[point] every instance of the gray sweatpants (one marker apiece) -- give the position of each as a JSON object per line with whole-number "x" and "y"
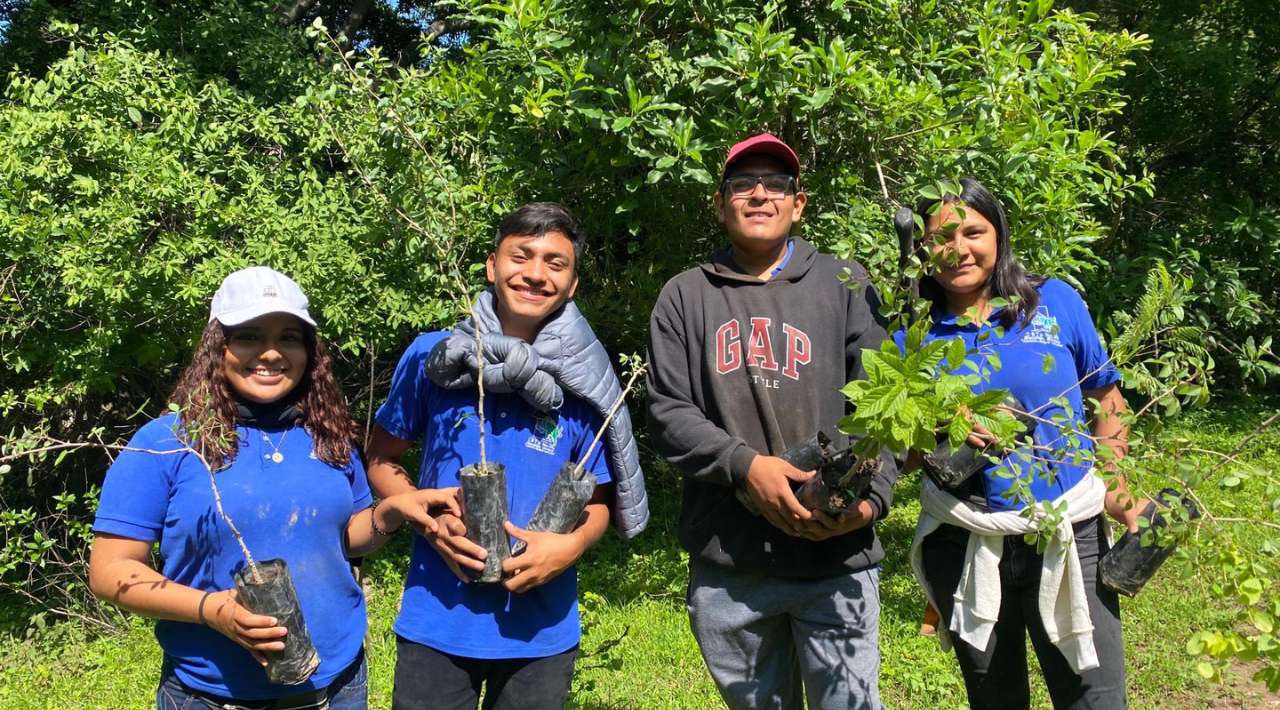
{"x": 771, "y": 642}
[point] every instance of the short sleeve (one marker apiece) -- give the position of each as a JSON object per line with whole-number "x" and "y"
{"x": 403, "y": 415}
{"x": 1094, "y": 368}
{"x": 135, "y": 494}
{"x": 361, "y": 496}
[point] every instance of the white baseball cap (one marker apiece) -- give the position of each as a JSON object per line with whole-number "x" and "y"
{"x": 257, "y": 291}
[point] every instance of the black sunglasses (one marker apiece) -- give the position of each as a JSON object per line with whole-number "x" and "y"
{"x": 775, "y": 184}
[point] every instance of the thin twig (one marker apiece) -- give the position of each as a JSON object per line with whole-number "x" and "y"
{"x": 1250, "y": 521}
{"x": 55, "y": 447}
{"x": 622, "y": 396}
{"x": 884, "y": 189}
{"x": 405, "y": 130}
{"x": 922, "y": 130}
{"x": 368, "y": 417}
{"x": 475, "y": 322}
{"x": 235, "y": 532}
{"x": 1257, "y": 431}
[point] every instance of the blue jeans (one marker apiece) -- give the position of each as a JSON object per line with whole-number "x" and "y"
{"x": 348, "y": 691}
{"x": 770, "y": 642}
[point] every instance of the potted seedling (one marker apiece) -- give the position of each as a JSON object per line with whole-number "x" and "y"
{"x": 949, "y": 466}
{"x": 266, "y": 588}
{"x": 841, "y": 477}
{"x": 484, "y": 493}
{"x": 1128, "y": 566}
{"x": 562, "y": 505}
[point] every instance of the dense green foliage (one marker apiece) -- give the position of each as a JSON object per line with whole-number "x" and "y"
{"x": 1204, "y": 118}
{"x": 148, "y": 148}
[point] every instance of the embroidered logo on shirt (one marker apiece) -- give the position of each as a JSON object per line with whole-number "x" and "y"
{"x": 1043, "y": 329}
{"x": 546, "y": 434}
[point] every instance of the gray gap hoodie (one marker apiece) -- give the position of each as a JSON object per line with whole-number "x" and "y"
{"x": 740, "y": 366}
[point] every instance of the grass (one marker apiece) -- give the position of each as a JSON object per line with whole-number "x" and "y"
{"x": 637, "y": 648}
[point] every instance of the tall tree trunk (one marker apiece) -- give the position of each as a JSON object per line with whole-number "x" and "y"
{"x": 355, "y": 20}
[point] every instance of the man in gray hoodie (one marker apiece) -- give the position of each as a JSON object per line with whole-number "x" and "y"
{"x": 748, "y": 353}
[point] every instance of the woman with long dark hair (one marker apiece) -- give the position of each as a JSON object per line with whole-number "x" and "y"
{"x": 1033, "y": 337}
{"x": 260, "y": 413}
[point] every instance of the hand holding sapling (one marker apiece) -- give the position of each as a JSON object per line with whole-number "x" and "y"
{"x": 769, "y": 481}
{"x": 825, "y": 525}
{"x": 458, "y": 553}
{"x": 545, "y": 556}
{"x": 1127, "y": 510}
{"x": 256, "y": 633}
{"x": 416, "y": 508}
{"x": 841, "y": 478}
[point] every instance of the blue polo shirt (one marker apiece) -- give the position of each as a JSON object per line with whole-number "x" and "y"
{"x": 485, "y": 620}
{"x": 296, "y": 510}
{"x": 1057, "y": 355}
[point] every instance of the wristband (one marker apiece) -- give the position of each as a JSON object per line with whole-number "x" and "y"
{"x": 373, "y": 521}
{"x": 200, "y": 608}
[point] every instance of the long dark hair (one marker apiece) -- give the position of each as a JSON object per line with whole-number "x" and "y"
{"x": 208, "y": 414}
{"x": 1008, "y": 280}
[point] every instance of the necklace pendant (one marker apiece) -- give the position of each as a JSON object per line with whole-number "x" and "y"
{"x": 277, "y": 457}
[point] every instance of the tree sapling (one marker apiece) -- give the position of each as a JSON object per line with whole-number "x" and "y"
{"x": 562, "y": 505}
{"x": 484, "y": 492}
{"x": 266, "y": 588}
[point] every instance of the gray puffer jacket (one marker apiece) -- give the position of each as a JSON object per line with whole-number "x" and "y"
{"x": 566, "y": 354}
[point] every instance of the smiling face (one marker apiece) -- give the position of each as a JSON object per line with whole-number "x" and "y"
{"x": 757, "y": 221}
{"x": 964, "y": 245}
{"x": 265, "y": 358}
{"x": 532, "y": 276}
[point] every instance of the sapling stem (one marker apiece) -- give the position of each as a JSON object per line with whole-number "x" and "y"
{"x": 235, "y": 532}
{"x": 484, "y": 465}
{"x": 613, "y": 409}
{"x": 191, "y": 435}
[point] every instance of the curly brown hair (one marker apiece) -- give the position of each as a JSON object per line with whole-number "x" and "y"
{"x": 208, "y": 407}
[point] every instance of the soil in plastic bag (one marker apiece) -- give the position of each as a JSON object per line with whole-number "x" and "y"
{"x": 839, "y": 483}
{"x": 1130, "y": 564}
{"x": 562, "y": 505}
{"x": 274, "y": 595}
{"x": 484, "y": 503}
{"x": 950, "y": 467}
{"x": 841, "y": 480}
{"x": 806, "y": 456}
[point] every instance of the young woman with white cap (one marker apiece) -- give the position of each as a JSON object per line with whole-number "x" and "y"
{"x": 258, "y": 405}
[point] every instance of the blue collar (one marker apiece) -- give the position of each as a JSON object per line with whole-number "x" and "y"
{"x": 786, "y": 258}
{"x": 942, "y": 317}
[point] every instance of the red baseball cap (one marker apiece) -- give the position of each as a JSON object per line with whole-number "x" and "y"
{"x": 764, "y": 144}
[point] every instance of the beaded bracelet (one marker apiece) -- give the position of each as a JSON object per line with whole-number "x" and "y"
{"x": 373, "y": 521}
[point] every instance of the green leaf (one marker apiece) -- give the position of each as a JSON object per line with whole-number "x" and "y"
{"x": 135, "y": 115}
{"x": 1261, "y": 620}
{"x": 1046, "y": 364}
{"x": 955, "y": 353}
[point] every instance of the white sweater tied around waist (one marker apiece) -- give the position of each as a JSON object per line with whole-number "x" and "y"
{"x": 1064, "y": 608}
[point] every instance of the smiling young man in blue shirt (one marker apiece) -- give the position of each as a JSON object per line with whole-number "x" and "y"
{"x": 517, "y": 639}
